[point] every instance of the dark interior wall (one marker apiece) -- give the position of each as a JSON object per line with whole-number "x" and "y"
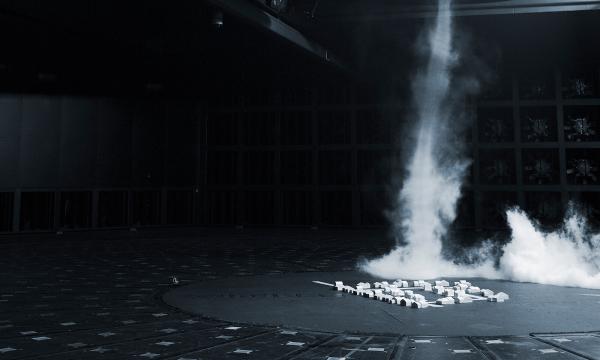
{"x": 306, "y": 156}
{"x": 232, "y": 126}
{"x": 79, "y": 162}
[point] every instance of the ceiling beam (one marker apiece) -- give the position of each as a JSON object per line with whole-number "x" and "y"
{"x": 370, "y": 12}
{"x": 252, "y": 14}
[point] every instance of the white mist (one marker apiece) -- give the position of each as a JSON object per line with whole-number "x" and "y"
{"x": 426, "y": 204}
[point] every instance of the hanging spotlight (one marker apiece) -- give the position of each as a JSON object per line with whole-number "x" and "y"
{"x": 217, "y": 19}
{"x": 278, "y": 5}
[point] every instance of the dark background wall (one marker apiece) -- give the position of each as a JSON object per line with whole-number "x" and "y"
{"x": 320, "y": 156}
{"x": 174, "y": 121}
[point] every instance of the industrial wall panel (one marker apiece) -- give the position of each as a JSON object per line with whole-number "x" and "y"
{"x": 296, "y": 167}
{"x": 540, "y": 167}
{"x": 180, "y": 207}
{"x": 335, "y": 167}
{"x": 495, "y": 125}
{"x": 6, "y": 211}
{"x": 37, "y": 211}
{"x": 222, "y": 167}
{"x": 536, "y": 84}
{"x": 147, "y": 147}
{"x": 39, "y": 148}
{"x": 582, "y": 123}
{"x": 296, "y": 128}
{"x": 373, "y": 167}
{"x": 259, "y": 207}
{"x": 538, "y": 124}
{"x": 373, "y": 205}
{"x": 10, "y": 128}
{"x": 544, "y": 206}
{"x": 372, "y": 127}
{"x": 260, "y": 128}
{"x": 77, "y": 142}
{"x": 181, "y": 143}
{"x": 297, "y": 207}
{"x": 75, "y": 209}
{"x": 336, "y": 208}
{"x": 334, "y": 127}
{"x": 113, "y": 208}
{"x": 146, "y": 208}
{"x": 113, "y": 155}
{"x": 259, "y": 168}
{"x": 494, "y": 205}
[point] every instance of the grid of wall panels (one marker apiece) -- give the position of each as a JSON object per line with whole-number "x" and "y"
{"x": 538, "y": 146}
{"x": 307, "y": 157}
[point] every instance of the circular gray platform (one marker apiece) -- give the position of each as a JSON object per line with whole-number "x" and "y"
{"x": 293, "y": 300}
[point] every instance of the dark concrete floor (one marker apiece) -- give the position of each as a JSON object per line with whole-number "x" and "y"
{"x": 99, "y": 296}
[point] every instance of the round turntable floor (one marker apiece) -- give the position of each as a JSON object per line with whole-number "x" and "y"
{"x": 293, "y": 300}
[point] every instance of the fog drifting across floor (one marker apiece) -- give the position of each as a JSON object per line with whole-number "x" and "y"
{"x": 426, "y": 203}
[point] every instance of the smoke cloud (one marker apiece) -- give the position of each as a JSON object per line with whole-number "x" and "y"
{"x": 426, "y": 203}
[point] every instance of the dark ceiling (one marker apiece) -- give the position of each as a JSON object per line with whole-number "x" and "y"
{"x": 87, "y": 45}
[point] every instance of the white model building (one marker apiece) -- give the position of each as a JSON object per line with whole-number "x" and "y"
{"x": 487, "y": 292}
{"x": 473, "y": 290}
{"x": 463, "y": 299}
{"x": 442, "y": 283}
{"x": 499, "y": 297}
{"x": 462, "y": 292}
{"x": 445, "y": 301}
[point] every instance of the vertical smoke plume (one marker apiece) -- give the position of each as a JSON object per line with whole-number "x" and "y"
{"x": 426, "y": 204}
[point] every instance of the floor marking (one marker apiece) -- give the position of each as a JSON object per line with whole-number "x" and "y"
{"x": 428, "y": 341}
{"x": 376, "y": 349}
{"x": 468, "y": 351}
{"x": 561, "y": 340}
{"x": 547, "y": 351}
{"x": 322, "y": 283}
{"x": 496, "y": 341}
{"x": 242, "y": 351}
{"x": 294, "y": 343}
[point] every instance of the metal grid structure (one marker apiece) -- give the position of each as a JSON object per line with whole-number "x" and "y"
{"x": 310, "y": 157}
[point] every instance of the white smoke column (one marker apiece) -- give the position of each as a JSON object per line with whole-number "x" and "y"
{"x": 567, "y": 257}
{"x": 427, "y": 201}
{"x": 426, "y": 204}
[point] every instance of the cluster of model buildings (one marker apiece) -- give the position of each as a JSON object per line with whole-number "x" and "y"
{"x": 403, "y": 292}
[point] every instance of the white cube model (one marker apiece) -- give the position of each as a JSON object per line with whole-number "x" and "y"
{"x": 442, "y": 283}
{"x": 408, "y": 293}
{"x": 406, "y": 302}
{"x": 445, "y": 301}
{"x": 369, "y": 294}
{"x": 463, "y": 299}
{"x": 427, "y": 287}
{"x": 416, "y": 283}
{"x": 449, "y": 292}
{"x": 339, "y": 285}
{"x": 418, "y": 297}
{"x": 459, "y": 293}
{"x": 419, "y": 304}
{"x": 473, "y": 290}
{"x": 405, "y": 283}
{"x": 486, "y": 292}
{"x": 499, "y": 297}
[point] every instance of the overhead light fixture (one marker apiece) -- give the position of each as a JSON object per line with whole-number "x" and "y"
{"x": 278, "y": 5}
{"x": 217, "y": 19}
